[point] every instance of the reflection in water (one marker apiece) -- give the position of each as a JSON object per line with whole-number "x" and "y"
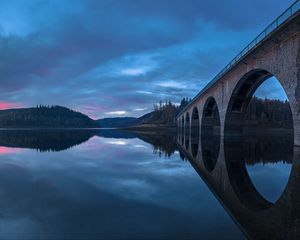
{"x": 259, "y": 163}
{"x": 163, "y": 143}
{"x": 270, "y": 179}
{"x": 187, "y": 142}
{"x": 9, "y": 150}
{"x": 44, "y": 140}
{"x": 195, "y": 146}
{"x": 54, "y": 139}
{"x": 210, "y": 134}
{"x": 270, "y": 170}
{"x": 258, "y": 182}
{"x": 113, "y": 179}
{"x": 210, "y": 145}
{"x": 104, "y": 189}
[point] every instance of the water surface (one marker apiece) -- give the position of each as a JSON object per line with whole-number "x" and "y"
{"x": 103, "y": 184}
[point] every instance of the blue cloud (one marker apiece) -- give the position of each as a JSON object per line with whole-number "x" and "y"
{"x": 112, "y": 56}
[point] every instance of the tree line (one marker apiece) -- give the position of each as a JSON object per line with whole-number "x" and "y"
{"x": 164, "y": 112}
{"x": 260, "y": 112}
{"x": 269, "y": 113}
{"x": 44, "y": 116}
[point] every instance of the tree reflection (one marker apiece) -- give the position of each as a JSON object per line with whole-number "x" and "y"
{"x": 44, "y": 140}
{"x": 164, "y": 143}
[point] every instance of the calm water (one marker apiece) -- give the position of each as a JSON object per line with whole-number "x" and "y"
{"x": 109, "y": 184}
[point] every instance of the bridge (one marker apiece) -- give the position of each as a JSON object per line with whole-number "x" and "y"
{"x": 223, "y": 102}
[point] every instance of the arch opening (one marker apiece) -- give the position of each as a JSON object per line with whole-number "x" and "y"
{"x": 258, "y": 139}
{"x": 187, "y": 130}
{"x": 187, "y": 124}
{"x": 246, "y": 99}
{"x": 195, "y": 128}
{"x": 210, "y": 134}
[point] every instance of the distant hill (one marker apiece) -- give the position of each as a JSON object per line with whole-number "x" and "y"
{"x": 145, "y": 119}
{"x": 118, "y": 122}
{"x": 165, "y": 117}
{"x": 44, "y": 116}
{"x": 163, "y": 114}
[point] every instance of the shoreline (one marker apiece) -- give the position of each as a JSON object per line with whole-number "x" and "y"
{"x": 151, "y": 128}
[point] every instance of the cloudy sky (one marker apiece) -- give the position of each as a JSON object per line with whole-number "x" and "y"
{"x": 118, "y": 57}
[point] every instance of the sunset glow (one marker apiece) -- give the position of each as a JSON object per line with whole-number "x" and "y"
{"x": 8, "y": 105}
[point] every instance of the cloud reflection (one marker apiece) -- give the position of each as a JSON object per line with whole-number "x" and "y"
{"x": 77, "y": 193}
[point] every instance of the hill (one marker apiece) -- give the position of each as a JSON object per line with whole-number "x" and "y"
{"x": 44, "y": 117}
{"x": 163, "y": 114}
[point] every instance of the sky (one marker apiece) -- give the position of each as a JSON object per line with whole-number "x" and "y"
{"x": 111, "y": 58}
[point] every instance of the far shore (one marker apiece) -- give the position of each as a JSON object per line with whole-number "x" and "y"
{"x": 154, "y": 128}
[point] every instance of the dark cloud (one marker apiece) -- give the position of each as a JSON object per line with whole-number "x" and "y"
{"x": 104, "y": 56}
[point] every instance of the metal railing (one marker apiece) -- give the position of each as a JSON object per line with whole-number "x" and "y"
{"x": 262, "y": 36}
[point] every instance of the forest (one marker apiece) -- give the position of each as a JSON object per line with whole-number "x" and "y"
{"x": 44, "y": 116}
{"x": 164, "y": 113}
{"x": 269, "y": 113}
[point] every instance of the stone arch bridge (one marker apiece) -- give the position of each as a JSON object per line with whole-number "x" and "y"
{"x": 275, "y": 52}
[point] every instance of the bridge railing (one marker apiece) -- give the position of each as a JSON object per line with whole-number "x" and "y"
{"x": 262, "y": 36}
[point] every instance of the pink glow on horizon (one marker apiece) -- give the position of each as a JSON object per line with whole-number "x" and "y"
{"x": 8, "y": 105}
{"x": 9, "y": 150}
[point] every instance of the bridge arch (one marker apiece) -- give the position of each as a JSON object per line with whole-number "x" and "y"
{"x": 234, "y": 124}
{"x": 241, "y": 97}
{"x": 210, "y": 134}
{"x": 195, "y": 123}
{"x": 187, "y": 123}
{"x": 187, "y": 130}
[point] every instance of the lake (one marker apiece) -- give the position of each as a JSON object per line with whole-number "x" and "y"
{"x": 122, "y": 185}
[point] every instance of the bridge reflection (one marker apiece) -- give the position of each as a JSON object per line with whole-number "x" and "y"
{"x": 230, "y": 182}
{"x": 222, "y": 163}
